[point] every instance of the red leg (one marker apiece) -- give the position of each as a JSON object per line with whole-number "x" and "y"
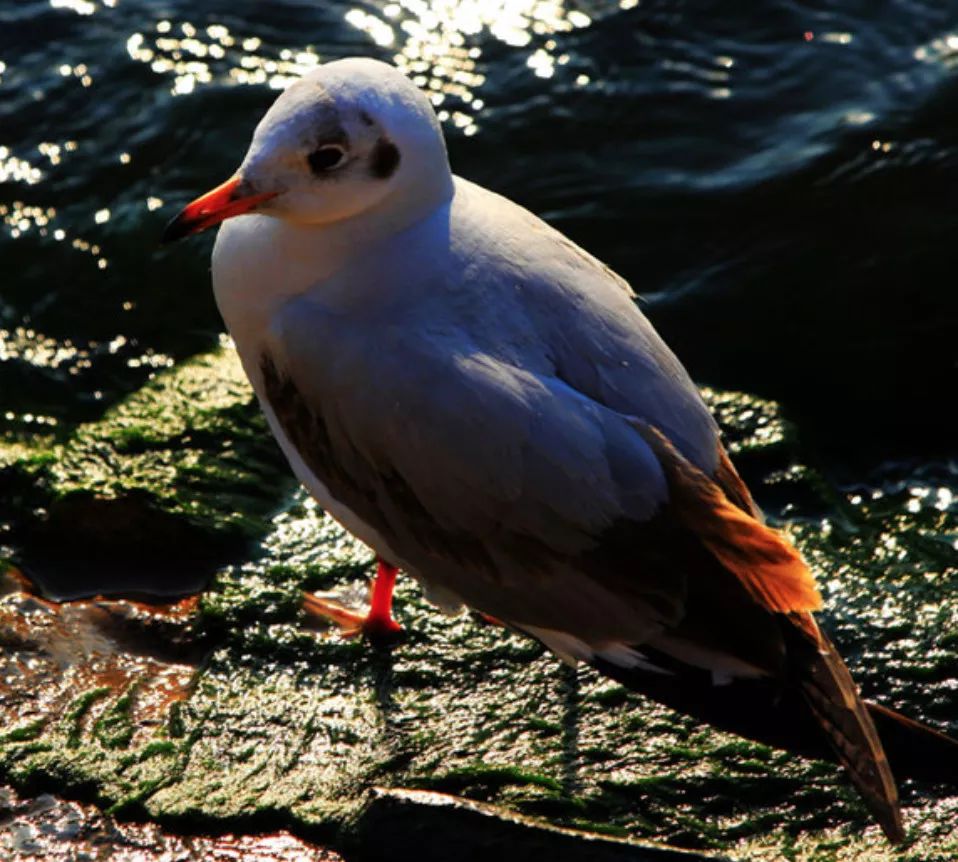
{"x": 378, "y": 624}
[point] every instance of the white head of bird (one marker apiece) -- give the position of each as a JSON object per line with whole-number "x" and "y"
{"x": 354, "y": 137}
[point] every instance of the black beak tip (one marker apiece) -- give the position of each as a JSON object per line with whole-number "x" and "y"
{"x": 177, "y": 228}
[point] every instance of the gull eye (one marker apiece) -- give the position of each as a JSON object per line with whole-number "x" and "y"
{"x": 325, "y": 158}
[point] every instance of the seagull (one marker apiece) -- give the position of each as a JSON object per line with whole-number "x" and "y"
{"x": 483, "y": 403}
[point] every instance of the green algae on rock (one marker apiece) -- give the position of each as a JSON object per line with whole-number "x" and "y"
{"x": 152, "y": 496}
{"x": 228, "y": 713}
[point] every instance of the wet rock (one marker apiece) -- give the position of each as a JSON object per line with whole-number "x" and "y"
{"x": 230, "y": 713}
{"x": 151, "y": 497}
{"x": 434, "y": 827}
{"x": 51, "y": 829}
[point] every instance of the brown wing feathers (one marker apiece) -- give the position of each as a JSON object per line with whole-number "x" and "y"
{"x": 728, "y": 479}
{"x": 767, "y": 565}
{"x": 833, "y": 698}
{"x": 773, "y": 573}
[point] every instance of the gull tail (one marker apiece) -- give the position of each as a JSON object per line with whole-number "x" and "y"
{"x": 915, "y": 750}
{"x": 815, "y": 711}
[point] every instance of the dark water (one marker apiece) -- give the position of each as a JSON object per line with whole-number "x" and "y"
{"x": 778, "y": 178}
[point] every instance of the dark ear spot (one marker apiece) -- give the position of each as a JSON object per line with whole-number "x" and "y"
{"x": 384, "y": 159}
{"x": 367, "y": 120}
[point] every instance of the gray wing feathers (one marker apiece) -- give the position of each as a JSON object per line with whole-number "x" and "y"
{"x": 481, "y": 443}
{"x": 477, "y": 411}
{"x": 639, "y": 376}
{"x": 599, "y": 341}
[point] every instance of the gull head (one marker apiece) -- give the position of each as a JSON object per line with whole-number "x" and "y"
{"x": 352, "y": 136}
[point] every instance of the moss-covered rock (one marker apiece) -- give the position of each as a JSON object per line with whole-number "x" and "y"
{"x": 235, "y": 712}
{"x": 152, "y": 496}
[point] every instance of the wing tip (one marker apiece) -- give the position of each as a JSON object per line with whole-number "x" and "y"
{"x": 834, "y": 700}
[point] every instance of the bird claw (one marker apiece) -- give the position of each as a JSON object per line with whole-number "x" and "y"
{"x": 378, "y": 629}
{"x": 381, "y": 630}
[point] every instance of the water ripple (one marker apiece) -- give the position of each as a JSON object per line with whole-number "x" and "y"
{"x": 748, "y": 169}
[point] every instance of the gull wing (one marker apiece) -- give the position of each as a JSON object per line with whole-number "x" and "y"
{"x": 520, "y": 494}
{"x": 475, "y": 390}
{"x": 486, "y": 479}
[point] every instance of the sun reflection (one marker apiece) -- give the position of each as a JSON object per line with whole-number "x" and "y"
{"x": 922, "y": 497}
{"x": 436, "y": 42}
{"x": 943, "y": 50}
{"x": 837, "y": 38}
{"x": 380, "y": 32}
{"x": 13, "y": 169}
{"x": 80, "y": 71}
{"x": 27, "y": 345}
{"x": 54, "y": 152}
{"x": 22, "y": 219}
{"x": 435, "y": 35}
{"x": 30, "y": 418}
{"x": 196, "y": 56}
{"x": 81, "y": 7}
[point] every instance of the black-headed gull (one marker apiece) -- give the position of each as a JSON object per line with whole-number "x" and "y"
{"x": 482, "y": 403}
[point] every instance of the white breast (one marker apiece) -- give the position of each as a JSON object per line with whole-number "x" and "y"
{"x": 259, "y": 264}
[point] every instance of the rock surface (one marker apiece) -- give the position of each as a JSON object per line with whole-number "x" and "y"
{"x": 229, "y": 713}
{"x": 160, "y": 491}
{"x": 55, "y": 830}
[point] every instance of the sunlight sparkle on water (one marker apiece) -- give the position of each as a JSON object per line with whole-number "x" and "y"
{"x": 54, "y": 152}
{"x": 437, "y": 45}
{"x": 27, "y": 345}
{"x": 943, "y": 50}
{"x": 21, "y": 218}
{"x": 198, "y": 56}
{"x": 837, "y": 38}
{"x": 81, "y": 7}
{"x": 437, "y": 42}
{"x": 379, "y": 31}
{"x": 920, "y": 497}
{"x": 17, "y": 170}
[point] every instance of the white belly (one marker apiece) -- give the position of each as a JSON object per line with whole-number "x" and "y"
{"x": 258, "y": 264}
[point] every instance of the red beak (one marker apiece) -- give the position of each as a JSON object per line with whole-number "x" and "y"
{"x": 225, "y": 201}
